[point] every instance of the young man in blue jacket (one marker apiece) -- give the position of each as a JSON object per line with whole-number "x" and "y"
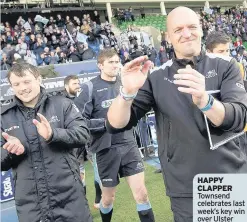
{"x": 114, "y": 155}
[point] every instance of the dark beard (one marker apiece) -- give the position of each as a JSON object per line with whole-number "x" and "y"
{"x": 73, "y": 93}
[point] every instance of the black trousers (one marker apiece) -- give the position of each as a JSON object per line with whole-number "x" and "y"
{"x": 182, "y": 208}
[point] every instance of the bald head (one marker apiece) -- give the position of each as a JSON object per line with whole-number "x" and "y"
{"x": 180, "y": 13}
{"x": 184, "y": 32}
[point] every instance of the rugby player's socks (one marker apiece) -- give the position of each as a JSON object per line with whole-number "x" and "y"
{"x": 97, "y": 192}
{"x": 145, "y": 212}
{"x": 106, "y": 213}
{"x": 85, "y": 190}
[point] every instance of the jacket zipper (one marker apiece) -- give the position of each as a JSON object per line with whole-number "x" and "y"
{"x": 168, "y": 142}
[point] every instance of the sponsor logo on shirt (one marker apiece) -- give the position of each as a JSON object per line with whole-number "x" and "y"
{"x": 169, "y": 80}
{"x": 54, "y": 119}
{"x": 107, "y": 180}
{"x": 100, "y": 90}
{"x": 211, "y": 74}
{"x": 240, "y": 85}
{"x": 106, "y": 103}
{"x": 11, "y": 128}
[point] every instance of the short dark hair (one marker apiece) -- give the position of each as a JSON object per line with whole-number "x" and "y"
{"x": 215, "y": 38}
{"x": 68, "y": 78}
{"x": 19, "y": 69}
{"x": 106, "y": 54}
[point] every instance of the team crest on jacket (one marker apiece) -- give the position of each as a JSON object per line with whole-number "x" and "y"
{"x": 211, "y": 74}
{"x": 54, "y": 119}
{"x": 11, "y": 128}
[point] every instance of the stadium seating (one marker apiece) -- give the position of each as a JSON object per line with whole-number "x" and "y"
{"x": 157, "y": 21}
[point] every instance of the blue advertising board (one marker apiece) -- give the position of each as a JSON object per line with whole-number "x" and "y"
{"x": 7, "y": 187}
{"x": 85, "y": 70}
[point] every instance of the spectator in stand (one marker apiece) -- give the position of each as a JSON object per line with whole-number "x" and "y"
{"x": 85, "y": 28}
{"x": 9, "y": 38}
{"x": 15, "y": 38}
{"x": 8, "y": 27}
{"x": 133, "y": 40}
{"x": 7, "y": 49}
{"x": 84, "y": 17}
{"x": 113, "y": 40}
{"x": 67, "y": 20}
{"x": 31, "y": 24}
{"x": 96, "y": 17}
{"x": 62, "y": 57}
{"x": 47, "y": 58}
{"x": 39, "y": 47}
{"x": 135, "y": 51}
{"x": 60, "y": 22}
{"x": 51, "y": 22}
{"x": 3, "y": 41}
{"x": 131, "y": 14}
{"x": 127, "y": 15}
{"x": 162, "y": 55}
{"x": 126, "y": 58}
{"x": 96, "y": 29}
{"x": 25, "y": 38}
{"x": 20, "y": 22}
{"x": 57, "y": 50}
{"x": 152, "y": 54}
{"x": 32, "y": 42}
{"x": 123, "y": 50}
{"x": 87, "y": 53}
{"x": 63, "y": 45}
{"x": 40, "y": 59}
{"x": 21, "y": 47}
{"x": 107, "y": 27}
{"x": 144, "y": 48}
{"x": 73, "y": 55}
{"x": 5, "y": 62}
{"x": 142, "y": 12}
{"x": 53, "y": 58}
{"x": 30, "y": 58}
{"x": 46, "y": 50}
{"x": 47, "y": 43}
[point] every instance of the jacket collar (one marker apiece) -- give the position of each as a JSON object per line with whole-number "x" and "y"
{"x": 42, "y": 98}
{"x": 66, "y": 94}
{"x": 181, "y": 63}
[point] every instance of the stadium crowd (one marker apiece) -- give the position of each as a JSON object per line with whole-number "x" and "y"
{"x": 65, "y": 40}
{"x": 56, "y": 41}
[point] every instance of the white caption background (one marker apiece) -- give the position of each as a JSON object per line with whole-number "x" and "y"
{"x": 220, "y": 198}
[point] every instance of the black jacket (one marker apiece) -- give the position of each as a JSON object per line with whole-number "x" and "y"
{"x": 87, "y": 54}
{"x": 66, "y": 95}
{"x": 94, "y": 100}
{"x": 184, "y": 149}
{"x": 75, "y": 56}
{"x": 46, "y": 177}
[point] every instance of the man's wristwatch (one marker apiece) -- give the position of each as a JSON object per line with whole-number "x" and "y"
{"x": 209, "y": 105}
{"x": 125, "y": 96}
